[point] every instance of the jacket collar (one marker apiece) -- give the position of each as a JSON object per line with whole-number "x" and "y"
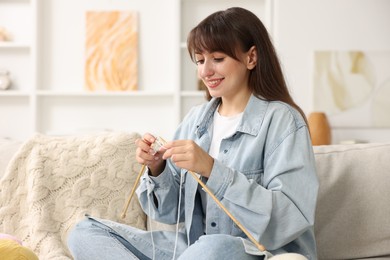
{"x": 251, "y": 119}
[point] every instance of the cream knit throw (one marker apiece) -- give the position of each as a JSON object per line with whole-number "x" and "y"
{"x": 52, "y": 182}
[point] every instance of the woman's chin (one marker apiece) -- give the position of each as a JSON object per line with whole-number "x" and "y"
{"x": 214, "y": 94}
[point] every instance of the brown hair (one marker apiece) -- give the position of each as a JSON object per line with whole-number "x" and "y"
{"x": 237, "y": 29}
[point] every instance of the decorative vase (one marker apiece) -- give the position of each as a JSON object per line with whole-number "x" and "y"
{"x": 319, "y": 127}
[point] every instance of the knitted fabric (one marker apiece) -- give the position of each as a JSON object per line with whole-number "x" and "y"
{"x": 52, "y": 182}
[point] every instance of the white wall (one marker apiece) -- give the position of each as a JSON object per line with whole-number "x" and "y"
{"x": 302, "y": 26}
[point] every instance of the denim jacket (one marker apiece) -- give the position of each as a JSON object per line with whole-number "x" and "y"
{"x": 264, "y": 175}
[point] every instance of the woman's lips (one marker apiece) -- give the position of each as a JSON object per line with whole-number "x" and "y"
{"x": 214, "y": 83}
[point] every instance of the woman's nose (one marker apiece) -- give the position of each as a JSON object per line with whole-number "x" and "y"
{"x": 206, "y": 69}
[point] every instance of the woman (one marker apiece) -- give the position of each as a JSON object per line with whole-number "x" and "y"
{"x": 251, "y": 146}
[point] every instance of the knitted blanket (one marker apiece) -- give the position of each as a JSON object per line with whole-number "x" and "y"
{"x": 52, "y": 182}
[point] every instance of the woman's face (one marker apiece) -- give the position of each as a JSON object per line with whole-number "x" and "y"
{"x": 223, "y": 75}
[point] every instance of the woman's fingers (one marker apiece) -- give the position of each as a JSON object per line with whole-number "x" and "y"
{"x": 143, "y": 151}
{"x": 148, "y": 138}
{"x": 180, "y": 150}
{"x": 188, "y": 155}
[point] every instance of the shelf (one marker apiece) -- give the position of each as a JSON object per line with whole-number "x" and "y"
{"x": 49, "y": 93}
{"x": 14, "y": 45}
{"x": 15, "y": 1}
{"x": 74, "y": 114}
{"x": 14, "y": 93}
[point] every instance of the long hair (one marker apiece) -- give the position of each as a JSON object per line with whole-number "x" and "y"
{"x": 237, "y": 29}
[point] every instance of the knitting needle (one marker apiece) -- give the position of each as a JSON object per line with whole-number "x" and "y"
{"x": 156, "y": 145}
{"x": 208, "y": 191}
{"x": 159, "y": 142}
{"x": 132, "y": 191}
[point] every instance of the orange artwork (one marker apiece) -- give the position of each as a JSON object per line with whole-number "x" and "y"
{"x": 111, "y": 51}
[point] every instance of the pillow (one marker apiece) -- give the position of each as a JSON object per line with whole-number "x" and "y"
{"x": 353, "y": 209}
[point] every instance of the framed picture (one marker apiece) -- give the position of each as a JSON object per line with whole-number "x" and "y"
{"x": 353, "y": 87}
{"x": 111, "y": 52}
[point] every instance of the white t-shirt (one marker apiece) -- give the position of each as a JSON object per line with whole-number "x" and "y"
{"x": 224, "y": 126}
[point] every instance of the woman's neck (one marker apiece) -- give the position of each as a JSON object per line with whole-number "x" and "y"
{"x": 235, "y": 105}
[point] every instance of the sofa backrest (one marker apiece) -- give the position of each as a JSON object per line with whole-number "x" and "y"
{"x": 353, "y": 208}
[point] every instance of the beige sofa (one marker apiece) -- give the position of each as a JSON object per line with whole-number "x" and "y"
{"x": 49, "y": 183}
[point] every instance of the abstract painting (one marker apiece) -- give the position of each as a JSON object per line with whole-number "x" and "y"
{"x": 111, "y": 50}
{"x": 353, "y": 87}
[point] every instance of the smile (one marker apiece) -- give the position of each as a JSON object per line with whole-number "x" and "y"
{"x": 214, "y": 83}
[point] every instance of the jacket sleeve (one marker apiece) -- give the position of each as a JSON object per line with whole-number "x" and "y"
{"x": 160, "y": 196}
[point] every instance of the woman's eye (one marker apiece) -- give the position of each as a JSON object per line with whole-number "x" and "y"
{"x": 218, "y": 59}
{"x": 197, "y": 62}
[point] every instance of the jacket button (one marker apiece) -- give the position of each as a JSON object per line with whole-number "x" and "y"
{"x": 213, "y": 224}
{"x": 225, "y": 151}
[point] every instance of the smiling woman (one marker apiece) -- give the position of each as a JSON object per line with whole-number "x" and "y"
{"x": 247, "y": 150}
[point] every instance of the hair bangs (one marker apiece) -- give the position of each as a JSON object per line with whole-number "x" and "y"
{"x": 211, "y": 36}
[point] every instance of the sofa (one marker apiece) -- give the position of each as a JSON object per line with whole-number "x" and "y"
{"x": 48, "y": 183}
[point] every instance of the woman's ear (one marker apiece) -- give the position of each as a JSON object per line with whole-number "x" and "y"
{"x": 251, "y": 58}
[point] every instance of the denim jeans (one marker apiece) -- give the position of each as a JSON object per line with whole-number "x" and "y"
{"x": 91, "y": 239}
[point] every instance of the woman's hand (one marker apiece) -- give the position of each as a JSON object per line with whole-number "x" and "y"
{"x": 188, "y": 155}
{"x": 146, "y": 155}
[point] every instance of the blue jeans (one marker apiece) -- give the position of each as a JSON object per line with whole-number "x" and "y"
{"x": 91, "y": 239}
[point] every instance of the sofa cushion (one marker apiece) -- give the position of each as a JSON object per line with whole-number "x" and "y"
{"x": 353, "y": 208}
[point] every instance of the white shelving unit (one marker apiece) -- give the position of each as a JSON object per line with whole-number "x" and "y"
{"x": 18, "y": 56}
{"x": 46, "y": 62}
